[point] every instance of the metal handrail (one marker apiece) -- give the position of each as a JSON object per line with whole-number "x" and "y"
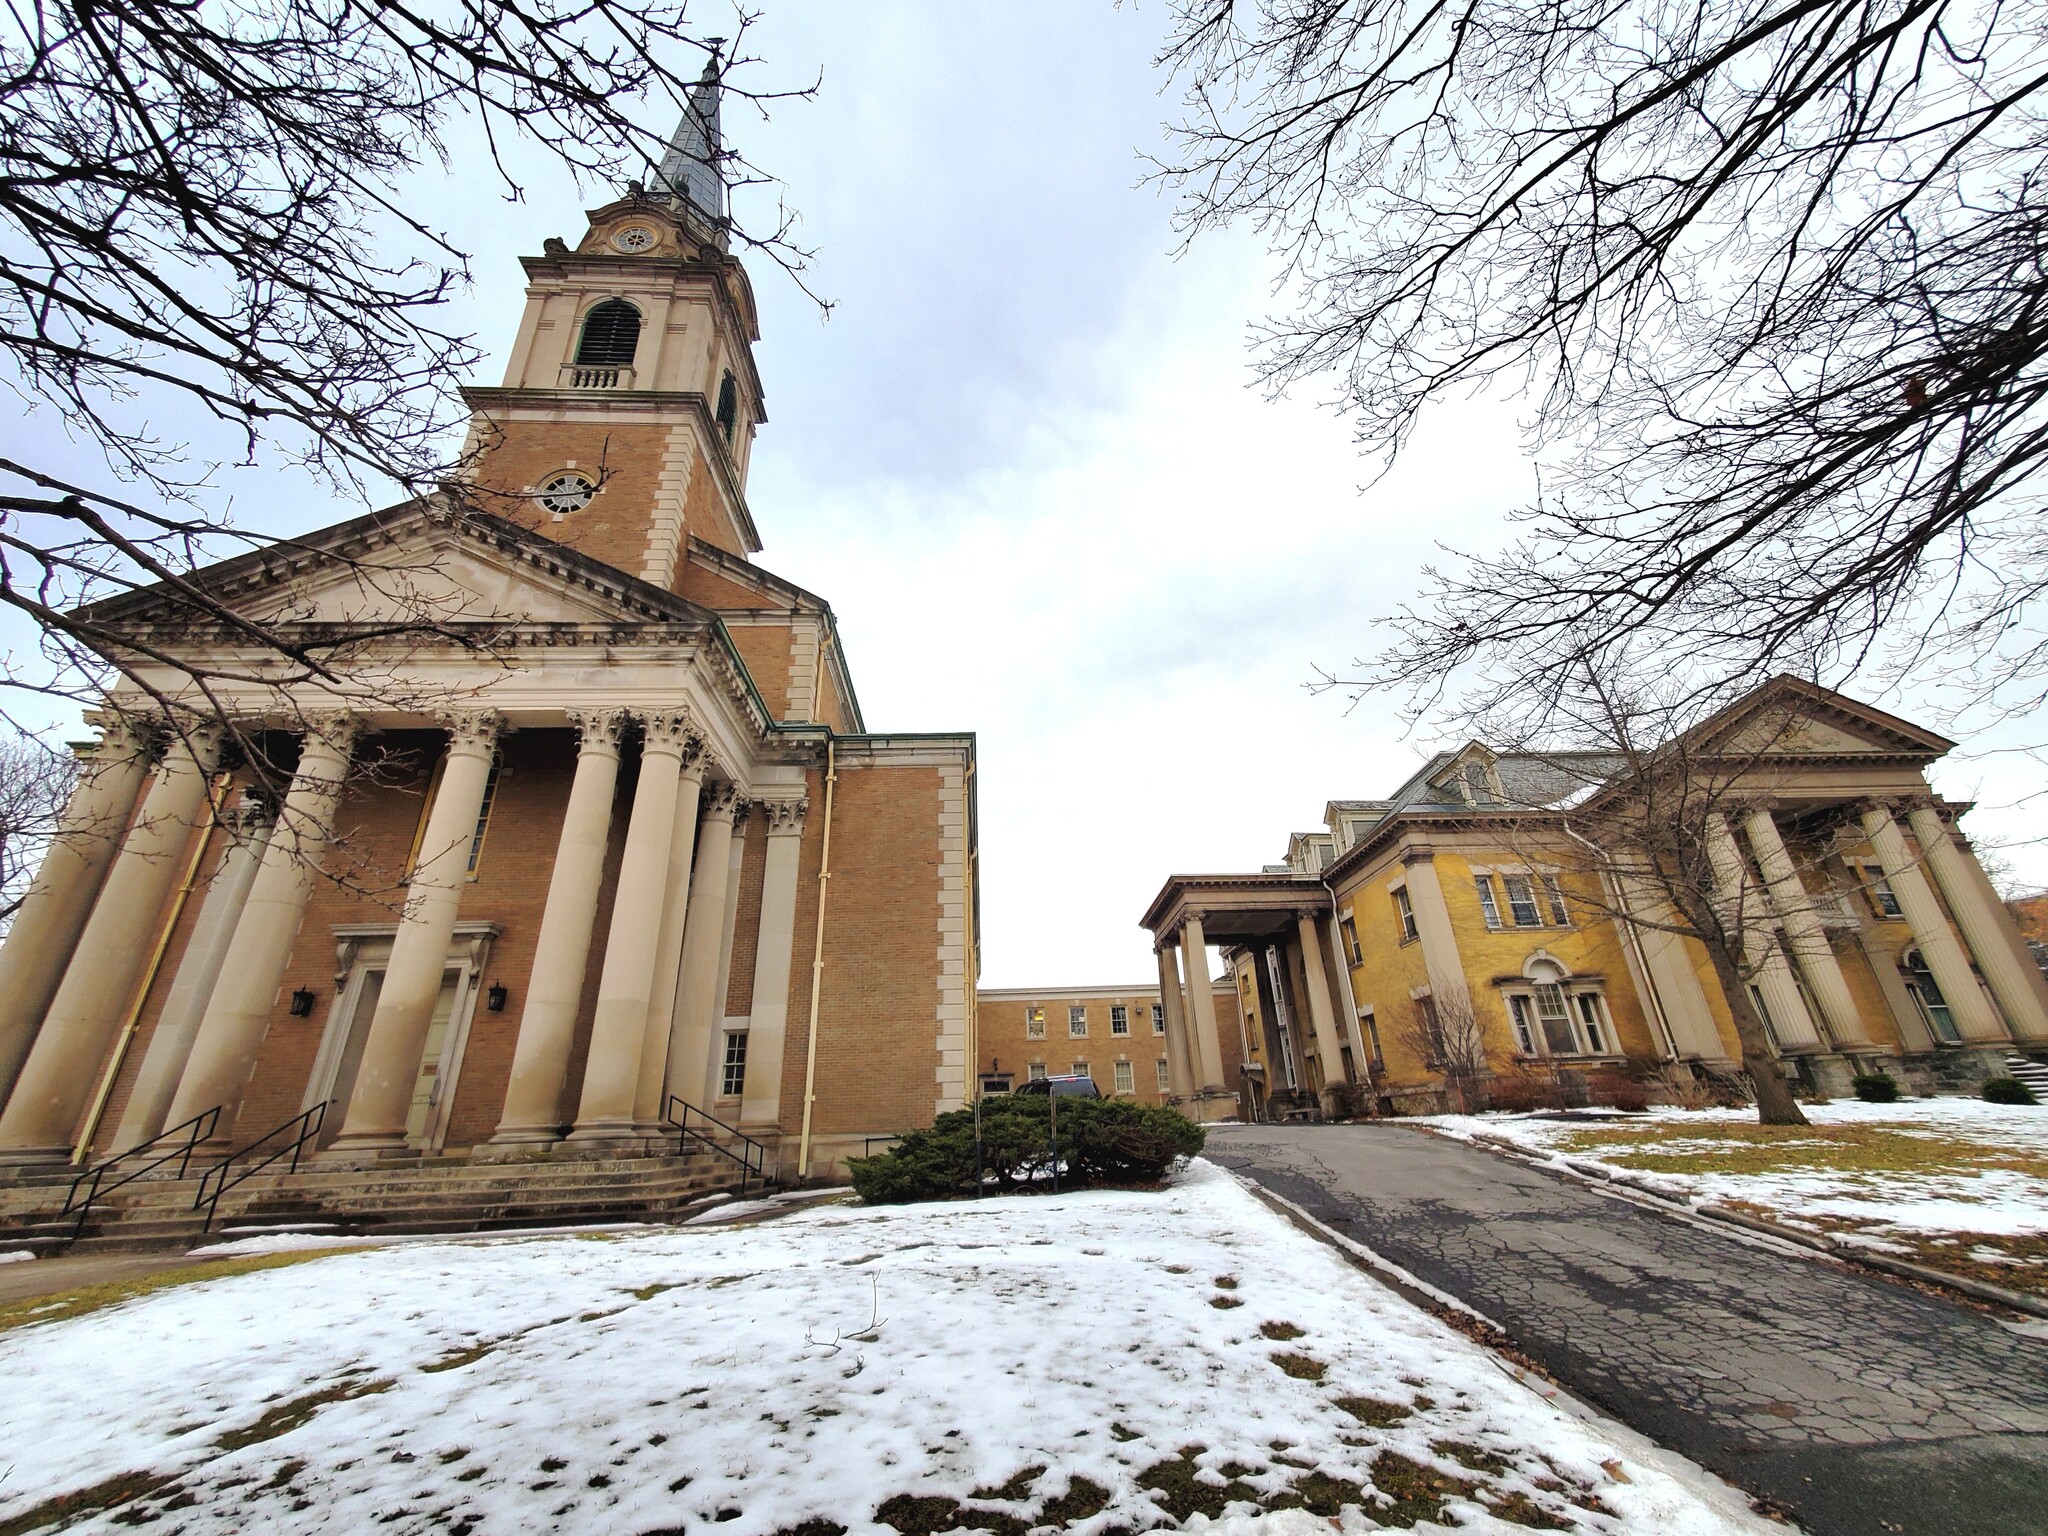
{"x": 195, "y": 1130}
{"x": 753, "y": 1156}
{"x": 308, "y": 1123}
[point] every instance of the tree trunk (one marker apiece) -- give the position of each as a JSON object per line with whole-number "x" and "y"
{"x": 1774, "y": 1102}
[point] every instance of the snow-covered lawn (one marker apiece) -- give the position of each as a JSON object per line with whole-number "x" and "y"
{"x": 1955, "y": 1182}
{"x": 1089, "y": 1361}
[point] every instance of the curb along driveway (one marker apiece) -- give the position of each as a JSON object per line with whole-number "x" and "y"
{"x": 1860, "y": 1406}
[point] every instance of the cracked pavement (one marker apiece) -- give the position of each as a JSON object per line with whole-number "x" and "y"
{"x": 1861, "y": 1406}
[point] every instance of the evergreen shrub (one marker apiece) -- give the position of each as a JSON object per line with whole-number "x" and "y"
{"x": 1101, "y": 1141}
{"x": 2007, "y": 1090}
{"x": 1875, "y": 1088}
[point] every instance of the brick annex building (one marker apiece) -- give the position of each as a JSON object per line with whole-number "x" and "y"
{"x": 587, "y": 871}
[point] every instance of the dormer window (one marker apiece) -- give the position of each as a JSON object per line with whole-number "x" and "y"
{"x": 728, "y": 406}
{"x": 611, "y": 335}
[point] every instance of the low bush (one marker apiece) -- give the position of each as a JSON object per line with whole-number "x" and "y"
{"x": 2007, "y": 1090}
{"x": 1101, "y": 1141}
{"x": 1520, "y": 1092}
{"x": 1617, "y": 1090}
{"x": 1875, "y": 1088}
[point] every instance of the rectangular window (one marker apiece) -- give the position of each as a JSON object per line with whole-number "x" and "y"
{"x": 1119, "y": 1019}
{"x": 1883, "y": 899}
{"x": 1522, "y": 901}
{"x": 1034, "y": 1023}
{"x": 1037, "y": 1070}
{"x": 1591, "y": 1022}
{"x": 733, "y": 1081}
{"x": 1405, "y": 911}
{"x": 1372, "y": 1040}
{"x": 1077, "y": 1023}
{"x": 1165, "y": 1078}
{"x": 1560, "y": 914}
{"x": 1080, "y": 1069}
{"x": 483, "y": 818}
{"x": 1756, "y": 1000}
{"x": 1487, "y": 904}
{"x": 1125, "y": 1083}
{"x": 1351, "y": 946}
{"x": 1555, "y": 1020}
{"x": 1158, "y": 1019}
{"x": 1520, "y": 1011}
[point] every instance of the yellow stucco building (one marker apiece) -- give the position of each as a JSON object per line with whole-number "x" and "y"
{"x": 1465, "y": 905}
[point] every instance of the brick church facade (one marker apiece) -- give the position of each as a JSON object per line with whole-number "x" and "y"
{"x": 610, "y": 832}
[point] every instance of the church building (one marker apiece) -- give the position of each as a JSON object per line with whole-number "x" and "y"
{"x": 585, "y": 829}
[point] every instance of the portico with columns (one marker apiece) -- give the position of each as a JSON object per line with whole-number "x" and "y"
{"x": 1871, "y": 938}
{"x": 544, "y": 851}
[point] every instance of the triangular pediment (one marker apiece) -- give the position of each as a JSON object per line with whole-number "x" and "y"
{"x": 412, "y": 567}
{"x": 1789, "y": 717}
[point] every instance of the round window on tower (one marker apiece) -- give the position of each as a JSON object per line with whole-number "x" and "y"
{"x": 633, "y": 239}
{"x": 565, "y": 493}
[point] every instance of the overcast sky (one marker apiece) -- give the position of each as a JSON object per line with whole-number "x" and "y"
{"x": 1025, "y": 463}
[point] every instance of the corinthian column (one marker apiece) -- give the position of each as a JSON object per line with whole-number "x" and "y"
{"x": 768, "y": 1021}
{"x": 1180, "y": 1077}
{"x": 1967, "y": 1005}
{"x": 419, "y": 953}
{"x": 53, "y": 913}
{"x": 170, "y": 1043}
{"x": 700, "y": 1005}
{"x": 1983, "y": 923}
{"x": 547, "y": 1027}
{"x": 99, "y": 984}
{"x": 238, "y": 1014}
{"x": 668, "y": 949}
{"x": 611, "y": 1076}
{"x": 1790, "y": 1023}
{"x": 1804, "y": 935}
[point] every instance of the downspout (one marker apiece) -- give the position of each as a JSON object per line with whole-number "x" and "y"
{"x": 156, "y": 961}
{"x": 803, "y": 1148}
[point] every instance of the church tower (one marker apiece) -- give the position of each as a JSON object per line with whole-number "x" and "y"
{"x": 629, "y": 406}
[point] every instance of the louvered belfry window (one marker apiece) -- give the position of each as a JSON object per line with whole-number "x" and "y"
{"x": 611, "y": 335}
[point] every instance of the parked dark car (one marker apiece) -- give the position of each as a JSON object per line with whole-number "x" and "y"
{"x": 1071, "y": 1086}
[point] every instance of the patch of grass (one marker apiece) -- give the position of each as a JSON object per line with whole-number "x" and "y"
{"x": 2017, "y": 1262}
{"x": 1226, "y": 1282}
{"x": 1225, "y": 1303}
{"x": 1177, "y": 1488}
{"x": 929, "y": 1514}
{"x": 288, "y": 1416}
{"x": 649, "y": 1292}
{"x": 1119, "y": 1432}
{"x": 1300, "y": 1367}
{"x": 1280, "y": 1333}
{"x": 1419, "y": 1492}
{"x": 59, "y": 1305}
{"x": 1724, "y": 1147}
{"x": 1320, "y": 1494}
{"x": 66, "y": 1508}
{"x": 1375, "y": 1412}
{"x": 812, "y": 1527}
{"x": 1518, "y": 1508}
{"x": 1471, "y": 1457}
{"x": 1015, "y": 1491}
{"x": 1083, "y": 1500}
{"x": 461, "y": 1357}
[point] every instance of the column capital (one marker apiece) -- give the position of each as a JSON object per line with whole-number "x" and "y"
{"x": 598, "y": 730}
{"x": 723, "y": 799}
{"x": 472, "y": 730}
{"x": 1418, "y": 853}
{"x": 250, "y": 815}
{"x": 671, "y": 732}
{"x": 784, "y": 817}
{"x": 121, "y": 736}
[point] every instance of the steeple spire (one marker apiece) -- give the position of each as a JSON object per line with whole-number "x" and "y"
{"x": 689, "y": 174}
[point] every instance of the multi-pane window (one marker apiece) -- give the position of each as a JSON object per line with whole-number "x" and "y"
{"x": 1404, "y": 911}
{"x": 1119, "y": 1019}
{"x": 1554, "y": 1019}
{"x": 1763, "y": 1013}
{"x": 1521, "y": 1010}
{"x": 1591, "y": 1023}
{"x": 1349, "y": 929}
{"x": 1883, "y": 899}
{"x": 1165, "y": 1078}
{"x": 1081, "y": 1069}
{"x": 1487, "y": 903}
{"x": 1158, "y": 1019}
{"x": 1522, "y": 901}
{"x": 476, "y": 837}
{"x": 1926, "y": 994}
{"x": 1125, "y": 1082}
{"x": 1560, "y": 914}
{"x": 1037, "y": 1070}
{"x": 1034, "y": 1023}
{"x": 1077, "y": 1023}
{"x": 733, "y": 1080}
{"x": 1372, "y": 1039}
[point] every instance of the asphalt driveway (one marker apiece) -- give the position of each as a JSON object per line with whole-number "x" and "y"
{"x": 1861, "y": 1406}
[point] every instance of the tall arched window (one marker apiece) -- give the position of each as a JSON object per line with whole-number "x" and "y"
{"x": 728, "y": 406}
{"x": 611, "y": 335}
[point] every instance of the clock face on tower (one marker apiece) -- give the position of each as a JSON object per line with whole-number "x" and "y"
{"x": 633, "y": 239}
